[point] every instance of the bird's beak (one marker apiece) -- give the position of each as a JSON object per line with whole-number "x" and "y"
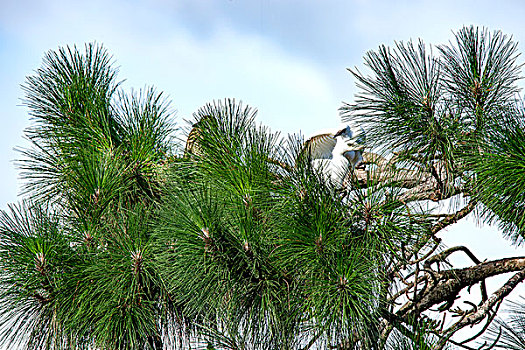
{"x": 339, "y": 132}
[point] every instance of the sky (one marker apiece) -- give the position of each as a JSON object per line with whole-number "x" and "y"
{"x": 287, "y": 58}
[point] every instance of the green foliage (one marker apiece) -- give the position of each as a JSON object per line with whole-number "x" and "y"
{"x": 117, "y": 290}
{"x": 504, "y": 153}
{"x": 90, "y": 153}
{"x": 509, "y": 333}
{"x": 480, "y": 73}
{"x": 414, "y": 337}
{"x": 35, "y": 259}
{"x": 86, "y": 277}
{"x": 236, "y": 245}
{"x": 455, "y": 116}
{"x": 234, "y": 260}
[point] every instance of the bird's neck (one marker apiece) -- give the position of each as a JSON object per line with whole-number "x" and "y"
{"x": 341, "y": 167}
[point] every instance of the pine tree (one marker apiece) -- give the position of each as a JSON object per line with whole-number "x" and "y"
{"x": 121, "y": 241}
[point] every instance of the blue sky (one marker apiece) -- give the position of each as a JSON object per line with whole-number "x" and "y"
{"x": 286, "y": 58}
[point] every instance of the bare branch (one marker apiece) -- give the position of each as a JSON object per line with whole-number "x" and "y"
{"x": 453, "y": 218}
{"x": 451, "y": 282}
{"x": 446, "y": 253}
{"x": 495, "y": 298}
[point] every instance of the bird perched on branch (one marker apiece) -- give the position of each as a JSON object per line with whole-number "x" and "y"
{"x": 193, "y": 147}
{"x": 335, "y": 154}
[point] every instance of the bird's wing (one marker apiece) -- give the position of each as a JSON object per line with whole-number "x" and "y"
{"x": 318, "y": 147}
{"x": 193, "y": 147}
{"x": 192, "y": 143}
{"x": 361, "y": 136}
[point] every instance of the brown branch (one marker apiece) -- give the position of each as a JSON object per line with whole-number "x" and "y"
{"x": 453, "y": 329}
{"x": 448, "y": 220}
{"x": 446, "y": 285}
{"x": 484, "y": 328}
{"x": 401, "y": 178}
{"x": 312, "y": 341}
{"x": 419, "y": 185}
{"x": 451, "y": 282}
{"x": 427, "y": 254}
{"x": 385, "y": 172}
{"x": 495, "y": 298}
{"x": 435, "y": 175}
{"x": 423, "y": 191}
{"x": 446, "y": 253}
{"x": 422, "y": 242}
{"x": 453, "y": 218}
{"x": 287, "y": 167}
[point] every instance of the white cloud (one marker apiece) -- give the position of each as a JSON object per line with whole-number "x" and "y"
{"x": 290, "y": 93}
{"x": 153, "y": 47}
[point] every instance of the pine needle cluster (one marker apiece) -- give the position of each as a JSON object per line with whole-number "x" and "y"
{"x": 122, "y": 243}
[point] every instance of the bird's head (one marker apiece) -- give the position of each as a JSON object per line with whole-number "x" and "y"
{"x": 345, "y": 132}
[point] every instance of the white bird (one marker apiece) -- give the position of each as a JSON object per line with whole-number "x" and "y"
{"x": 354, "y": 139}
{"x": 334, "y": 154}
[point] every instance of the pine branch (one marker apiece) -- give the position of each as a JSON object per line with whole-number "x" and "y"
{"x": 448, "y": 283}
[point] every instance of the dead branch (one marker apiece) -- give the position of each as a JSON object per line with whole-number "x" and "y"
{"x": 494, "y": 299}
{"x": 446, "y": 253}
{"x": 484, "y": 328}
{"x": 451, "y": 282}
{"x": 453, "y": 218}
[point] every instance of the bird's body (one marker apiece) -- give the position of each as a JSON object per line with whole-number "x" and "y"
{"x": 193, "y": 143}
{"x": 334, "y": 170}
{"x": 335, "y": 154}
